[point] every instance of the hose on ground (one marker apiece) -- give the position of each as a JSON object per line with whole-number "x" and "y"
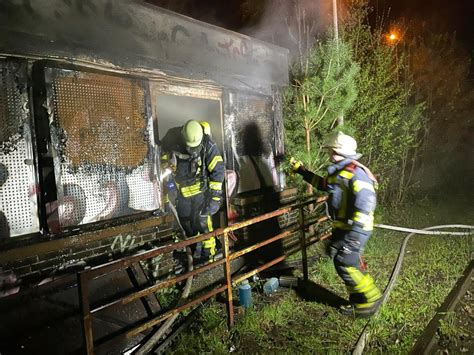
{"x": 147, "y": 347}
{"x": 419, "y": 231}
{"x": 364, "y": 336}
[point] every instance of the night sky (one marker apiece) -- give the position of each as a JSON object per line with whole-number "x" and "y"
{"x": 444, "y": 15}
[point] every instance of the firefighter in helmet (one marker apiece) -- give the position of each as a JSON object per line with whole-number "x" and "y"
{"x": 352, "y": 200}
{"x": 198, "y": 172}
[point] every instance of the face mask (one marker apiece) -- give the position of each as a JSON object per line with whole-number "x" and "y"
{"x": 193, "y": 151}
{"x": 334, "y": 157}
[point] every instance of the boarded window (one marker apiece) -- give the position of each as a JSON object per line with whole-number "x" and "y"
{"x": 102, "y": 139}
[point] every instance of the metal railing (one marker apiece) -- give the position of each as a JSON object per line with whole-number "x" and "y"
{"x": 86, "y": 276}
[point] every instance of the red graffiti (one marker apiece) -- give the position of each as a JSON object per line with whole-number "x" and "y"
{"x": 240, "y": 50}
{"x": 226, "y": 45}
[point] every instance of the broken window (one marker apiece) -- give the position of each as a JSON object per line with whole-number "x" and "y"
{"x": 173, "y": 111}
{"x": 176, "y": 104}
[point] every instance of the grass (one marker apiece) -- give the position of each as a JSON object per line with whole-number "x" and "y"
{"x": 285, "y": 323}
{"x": 448, "y": 326}
{"x": 451, "y": 330}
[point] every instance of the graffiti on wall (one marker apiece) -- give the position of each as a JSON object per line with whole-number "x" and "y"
{"x": 123, "y": 243}
{"x": 104, "y": 163}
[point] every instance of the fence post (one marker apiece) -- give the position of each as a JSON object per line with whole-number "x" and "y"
{"x": 228, "y": 278}
{"x": 83, "y": 286}
{"x": 303, "y": 243}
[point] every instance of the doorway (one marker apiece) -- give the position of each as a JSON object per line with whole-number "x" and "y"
{"x": 173, "y": 106}
{"x": 173, "y": 111}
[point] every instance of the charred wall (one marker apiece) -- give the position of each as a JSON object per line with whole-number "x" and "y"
{"x": 79, "y": 161}
{"x": 17, "y": 174}
{"x": 78, "y": 164}
{"x": 132, "y": 34}
{"x": 49, "y": 260}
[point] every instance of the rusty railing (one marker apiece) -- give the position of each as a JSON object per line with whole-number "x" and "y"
{"x": 86, "y": 276}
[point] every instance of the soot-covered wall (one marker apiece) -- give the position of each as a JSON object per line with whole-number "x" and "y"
{"x": 249, "y": 126}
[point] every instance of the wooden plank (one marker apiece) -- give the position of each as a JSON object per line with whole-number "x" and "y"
{"x": 428, "y": 340}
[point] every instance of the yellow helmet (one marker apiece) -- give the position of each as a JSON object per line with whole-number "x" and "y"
{"x": 192, "y": 133}
{"x": 206, "y": 127}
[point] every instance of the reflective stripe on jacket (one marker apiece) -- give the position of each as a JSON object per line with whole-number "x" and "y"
{"x": 202, "y": 173}
{"x": 352, "y": 196}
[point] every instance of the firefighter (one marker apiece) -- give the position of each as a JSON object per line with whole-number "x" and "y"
{"x": 198, "y": 171}
{"x": 206, "y": 127}
{"x": 352, "y": 200}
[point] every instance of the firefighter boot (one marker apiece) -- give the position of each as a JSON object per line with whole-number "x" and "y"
{"x": 355, "y": 310}
{"x": 364, "y": 296}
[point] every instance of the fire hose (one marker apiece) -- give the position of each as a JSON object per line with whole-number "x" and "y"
{"x": 148, "y": 346}
{"x": 364, "y": 336}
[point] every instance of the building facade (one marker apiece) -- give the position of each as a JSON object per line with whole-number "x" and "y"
{"x": 87, "y": 89}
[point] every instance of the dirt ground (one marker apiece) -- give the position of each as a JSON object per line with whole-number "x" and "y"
{"x": 456, "y": 335}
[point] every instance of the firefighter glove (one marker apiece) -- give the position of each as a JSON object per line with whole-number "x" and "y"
{"x": 168, "y": 166}
{"x": 296, "y": 165}
{"x": 172, "y": 162}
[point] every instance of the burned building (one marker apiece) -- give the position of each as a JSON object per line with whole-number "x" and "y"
{"x": 87, "y": 89}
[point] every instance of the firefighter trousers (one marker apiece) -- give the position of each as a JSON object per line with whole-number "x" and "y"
{"x": 189, "y": 214}
{"x": 345, "y": 249}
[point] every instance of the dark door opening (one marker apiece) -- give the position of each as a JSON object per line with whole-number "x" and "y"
{"x": 173, "y": 111}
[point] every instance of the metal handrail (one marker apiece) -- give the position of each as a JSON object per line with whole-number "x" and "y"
{"x": 86, "y": 276}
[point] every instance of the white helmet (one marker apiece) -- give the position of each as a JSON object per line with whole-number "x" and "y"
{"x": 342, "y": 144}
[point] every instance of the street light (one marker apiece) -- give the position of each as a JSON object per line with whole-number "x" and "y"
{"x": 334, "y": 18}
{"x": 340, "y": 118}
{"x": 393, "y": 37}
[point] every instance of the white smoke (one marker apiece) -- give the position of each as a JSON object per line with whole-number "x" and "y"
{"x": 293, "y": 24}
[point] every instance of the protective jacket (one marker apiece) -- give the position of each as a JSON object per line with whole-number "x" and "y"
{"x": 200, "y": 171}
{"x": 198, "y": 175}
{"x": 352, "y": 202}
{"x": 352, "y": 198}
